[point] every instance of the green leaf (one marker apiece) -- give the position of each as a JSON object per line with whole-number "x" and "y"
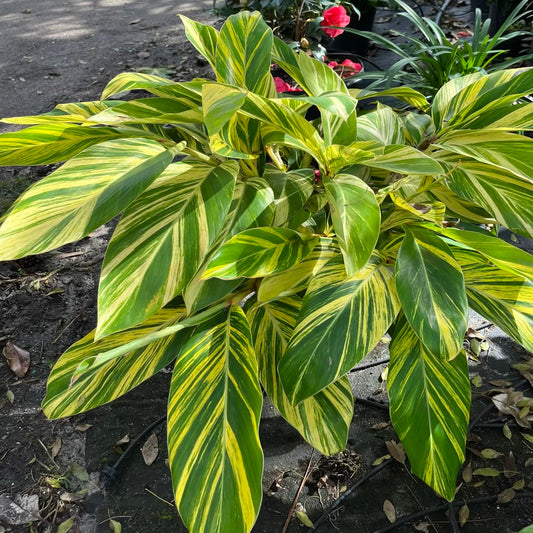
{"x": 499, "y": 252}
{"x": 213, "y": 417}
{"x": 50, "y": 143}
{"x": 161, "y": 240}
{"x": 382, "y": 125}
{"x": 80, "y": 196}
{"x": 429, "y": 408}
{"x": 243, "y": 53}
{"x": 341, "y": 320}
{"x": 203, "y": 37}
{"x": 252, "y": 206}
{"x": 356, "y": 218}
{"x": 257, "y": 252}
{"x": 500, "y": 192}
{"x": 324, "y": 419}
{"x": 128, "y": 81}
{"x": 405, "y": 94}
{"x": 507, "y": 151}
{"x": 500, "y": 296}
{"x": 296, "y": 278}
{"x": 66, "y": 397}
{"x": 432, "y": 291}
{"x": 403, "y": 160}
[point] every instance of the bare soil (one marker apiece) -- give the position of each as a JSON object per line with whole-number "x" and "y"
{"x": 60, "y": 51}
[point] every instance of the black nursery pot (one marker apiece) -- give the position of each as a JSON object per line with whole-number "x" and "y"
{"x": 350, "y": 43}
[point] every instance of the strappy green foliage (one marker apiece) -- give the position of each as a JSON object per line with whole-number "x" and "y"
{"x": 278, "y": 251}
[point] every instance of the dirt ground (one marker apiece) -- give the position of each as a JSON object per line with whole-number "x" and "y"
{"x": 50, "y": 471}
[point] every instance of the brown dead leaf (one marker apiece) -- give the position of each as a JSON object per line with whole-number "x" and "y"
{"x": 519, "y": 485}
{"x": 17, "y": 359}
{"x": 124, "y": 440}
{"x": 509, "y": 466}
{"x": 467, "y": 473}
{"x": 396, "y": 450}
{"x": 83, "y": 427}
{"x": 422, "y": 526}
{"x": 71, "y": 497}
{"x": 464, "y": 515}
{"x": 380, "y": 426}
{"x": 506, "y": 404}
{"x": 486, "y": 472}
{"x": 56, "y": 448}
{"x": 389, "y": 510}
{"x": 503, "y": 383}
{"x": 150, "y": 449}
{"x": 506, "y": 496}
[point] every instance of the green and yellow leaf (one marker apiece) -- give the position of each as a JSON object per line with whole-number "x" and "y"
{"x": 80, "y": 196}
{"x": 203, "y": 37}
{"x": 214, "y": 409}
{"x": 356, "y": 218}
{"x": 500, "y": 296}
{"x": 65, "y": 397}
{"x": 341, "y": 320}
{"x": 432, "y": 291}
{"x": 429, "y": 408}
{"x": 258, "y": 252}
{"x": 324, "y": 419}
{"x": 161, "y": 240}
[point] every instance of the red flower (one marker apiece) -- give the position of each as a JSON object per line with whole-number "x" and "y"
{"x": 284, "y": 87}
{"x": 346, "y": 68}
{"x": 335, "y": 16}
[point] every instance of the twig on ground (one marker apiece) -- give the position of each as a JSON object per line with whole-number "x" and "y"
{"x": 295, "y": 501}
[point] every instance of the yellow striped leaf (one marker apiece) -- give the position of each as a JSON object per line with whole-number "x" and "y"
{"x": 157, "y": 85}
{"x": 161, "y": 240}
{"x": 341, "y": 320}
{"x": 65, "y": 113}
{"x": 213, "y": 417}
{"x": 405, "y": 212}
{"x": 499, "y": 252}
{"x": 503, "y": 194}
{"x": 80, "y": 196}
{"x": 243, "y": 53}
{"x": 382, "y": 125}
{"x": 405, "y": 94}
{"x": 500, "y": 296}
{"x": 324, "y": 419}
{"x": 432, "y": 291}
{"x": 50, "y": 143}
{"x": 252, "y": 206}
{"x": 296, "y": 278}
{"x": 506, "y": 151}
{"x": 403, "y": 160}
{"x": 429, "y": 408}
{"x": 154, "y": 110}
{"x": 116, "y": 377}
{"x": 356, "y": 218}
{"x": 203, "y": 37}
{"x": 258, "y": 252}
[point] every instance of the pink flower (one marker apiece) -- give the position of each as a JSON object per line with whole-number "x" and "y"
{"x": 284, "y": 87}
{"x": 346, "y": 68}
{"x": 351, "y": 65}
{"x": 335, "y": 16}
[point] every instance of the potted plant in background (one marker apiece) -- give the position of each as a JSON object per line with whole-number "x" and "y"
{"x": 279, "y": 251}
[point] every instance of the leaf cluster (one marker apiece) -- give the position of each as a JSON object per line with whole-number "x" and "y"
{"x": 260, "y": 248}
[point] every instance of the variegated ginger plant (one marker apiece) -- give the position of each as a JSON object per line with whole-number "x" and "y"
{"x": 278, "y": 251}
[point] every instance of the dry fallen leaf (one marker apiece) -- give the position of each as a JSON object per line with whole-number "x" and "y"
{"x": 380, "y": 425}
{"x": 422, "y": 526}
{"x": 506, "y": 496}
{"x": 477, "y": 381}
{"x": 10, "y": 396}
{"x": 301, "y": 514}
{"x": 150, "y": 449}
{"x": 396, "y": 450}
{"x": 380, "y": 460}
{"x": 529, "y": 462}
{"x": 56, "y": 448}
{"x": 71, "y": 497}
{"x": 506, "y": 404}
{"x": 464, "y": 515}
{"x": 509, "y": 466}
{"x": 389, "y": 510}
{"x": 489, "y": 453}
{"x": 467, "y": 473}
{"x": 17, "y": 359}
{"x": 124, "y": 440}
{"x": 519, "y": 485}
{"x": 486, "y": 472}
{"x": 507, "y": 432}
{"x": 83, "y": 427}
